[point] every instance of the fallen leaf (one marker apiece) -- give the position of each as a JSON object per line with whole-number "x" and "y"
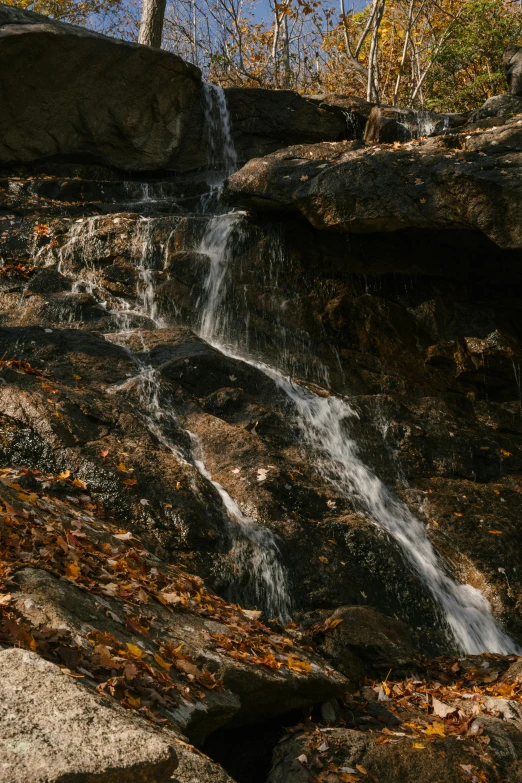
{"x": 495, "y": 532}
{"x": 121, "y": 467}
{"x": 435, "y": 729}
{"x": 104, "y": 452}
{"x": 164, "y": 665}
{"x": 64, "y": 475}
{"x": 72, "y": 571}
{"x": 130, "y": 482}
{"x": 134, "y": 650}
{"x": 442, "y": 710}
{"x": 298, "y": 666}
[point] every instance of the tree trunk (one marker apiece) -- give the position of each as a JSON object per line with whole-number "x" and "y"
{"x": 151, "y": 24}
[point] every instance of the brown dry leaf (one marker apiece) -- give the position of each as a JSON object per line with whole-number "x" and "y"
{"x": 104, "y": 653}
{"x": 323, "y": 559}
{"x": 134, "y": 702}
{"x": 130, "y": 482}
{"x": 360, "y": 769}
{"x": 77, "y": 377}
{"x": 79, "y": 483}
{"x": 5, "y": 599}
{"x": 64, "y": 475}
{"x": 121, "y": 467}
{"x": 495, "y": 532}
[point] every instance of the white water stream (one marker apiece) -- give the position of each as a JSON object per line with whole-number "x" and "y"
{"x": 323, "y": 424}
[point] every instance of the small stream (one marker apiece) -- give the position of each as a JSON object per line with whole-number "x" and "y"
{"x": 322, "y": 423}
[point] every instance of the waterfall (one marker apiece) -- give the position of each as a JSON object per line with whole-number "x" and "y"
{"x": 221, "y": 153}
{"x": 323, "y": 425}
{"x": 255, "y": 554}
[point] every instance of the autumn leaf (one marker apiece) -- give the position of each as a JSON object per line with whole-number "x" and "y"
{"x": 418, "y": 745}
{"x": 161, "y": 662}
{"x": 130, "y": 482}
{"x": 73, "y": 571}
{"x": 298, "y": 666}
{"x": 79, "y": 483}
{"x": 435, "y": 729}
{"x": 134, "y": 650}
{"x": 495, "y": 532}
{"x": 134, "y": 702}
{"x": 104, "y": 452}
{"x": 121, "y": 467}
{"x": 64, "y": 475}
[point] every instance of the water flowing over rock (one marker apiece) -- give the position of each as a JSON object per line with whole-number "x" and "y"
{"x": 310, "y": 409}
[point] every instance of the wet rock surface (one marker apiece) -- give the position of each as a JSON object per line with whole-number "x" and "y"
{"x": 459, "y": 181}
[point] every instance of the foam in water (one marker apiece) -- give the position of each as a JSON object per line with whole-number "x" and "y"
{"x": 323, "y": 426}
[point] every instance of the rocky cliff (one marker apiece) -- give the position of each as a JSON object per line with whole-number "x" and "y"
{"x": 258, "y": 467}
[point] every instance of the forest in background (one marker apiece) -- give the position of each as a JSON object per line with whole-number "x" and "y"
{"x": 442, "y": 55}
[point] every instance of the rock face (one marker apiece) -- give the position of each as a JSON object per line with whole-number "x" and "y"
{"x": 450, "y": 182}
{"x": 55, "y": 730}
{"x": 387, "y": 124}
{"x": 68, "y": 92}
{"x": 267, "y": 120}
{"x": 513, "y": 69}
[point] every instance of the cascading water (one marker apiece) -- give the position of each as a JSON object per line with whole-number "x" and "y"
{"x": 261, "y": 576}
{"x": 221, "y": 153}
{"x": 323, "y": 426}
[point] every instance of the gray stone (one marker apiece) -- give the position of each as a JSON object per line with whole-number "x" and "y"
{"x": 513, "y": 69}
{"x": 55, "y": 730}
{"x": 67, "y": 91}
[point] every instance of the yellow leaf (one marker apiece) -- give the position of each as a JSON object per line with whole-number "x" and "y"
{"x": 121, "y": 467}
{"x": 435, "y": 729}
{"x": 134, "y": 650}
{"x": 298, "y": 666}
{"x": 495, "y": 532}
{"x": 64, "y": 475}
{"x": 58, "y": 415}
{"x": 505, "y": 453}
{"x": 456, "y": 513}
{"x": 360, "y": 769}
{"x": 164, "y": 665}
{"x": 72, "y": 571}
{"x": 418, "y": 745}
{"x": 77, "y": 377}
{"x": 79, "y": 483}
{"x": 134, "y": 702}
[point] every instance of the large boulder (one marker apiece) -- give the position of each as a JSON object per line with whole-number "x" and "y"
{"x": 56, "y": 730}
{"x": 387, "y": 124}
{"x": 68, "y": 92}
{"x": 266, "y": 120}
{"x": 452, "y": 182}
